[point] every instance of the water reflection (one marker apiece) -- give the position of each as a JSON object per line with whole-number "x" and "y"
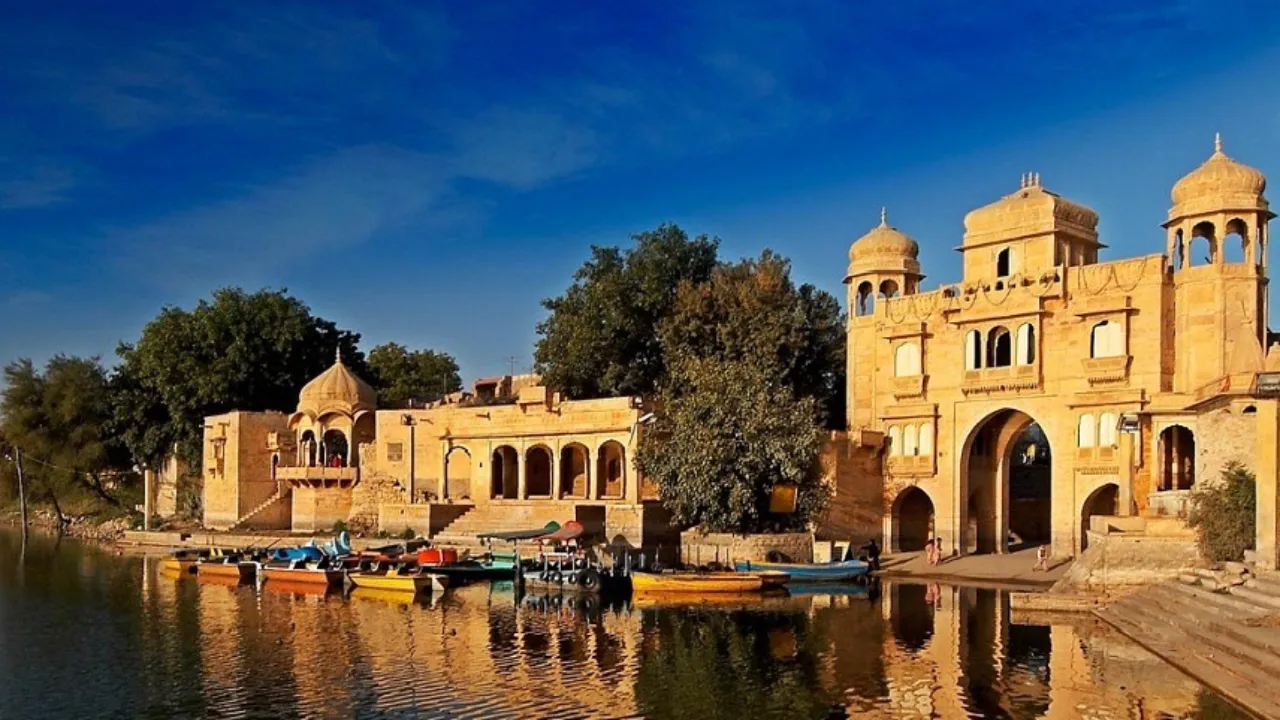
{"x": 85, "y": 633}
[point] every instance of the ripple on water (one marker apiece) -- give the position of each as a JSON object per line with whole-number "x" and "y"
{"x": 113, "y": 638}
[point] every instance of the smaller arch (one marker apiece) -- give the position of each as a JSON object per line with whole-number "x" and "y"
{"x": 912, "y": 520}
{"x": 1235, "y": 242}
{"x": 1177, "y": 447}
{"x": 926, "y": 439}
{"x": 275, "y": 464}
{"x": 1207, "y": 232}
{"x": 574, "y": 478}
{"x": 1178, "y": 255}
{"x": 1086, "y": 432}
{"x": 999, "y": 347}
{"x": 895, "y": 441}
{"x": 889, "y": 289}
{"x": 336, "y": 450}
{"x": 1025, "y": 352}
{"x": 973, "y": 350}
{"x": 308, "y": 449}
{"x": 611, "y": 474}
{"x": 537, "y": 472}
{"x": 865, "y": 303}
{"x": 1107, "y": 426}
{"x": 457, "y": 473}
{"x": 906, "y": 360}
{"x": 910, "y": 441}
{"x": 1104, "y": 501}
{"x": 1003, "y": 263}
{"x": 504, "y": 469}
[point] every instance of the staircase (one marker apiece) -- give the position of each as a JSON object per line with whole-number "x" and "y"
{"x": 1222, "y": 627}
{"x": 283, "y": 492}
{"x": 499, "y": 517}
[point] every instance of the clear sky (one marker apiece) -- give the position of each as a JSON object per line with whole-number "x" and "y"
{"x": 426, "y": 172}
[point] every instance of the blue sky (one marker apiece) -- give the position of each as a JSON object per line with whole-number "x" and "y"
{"x": 426, "y": 172}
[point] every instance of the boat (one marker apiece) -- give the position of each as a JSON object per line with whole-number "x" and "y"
{"x": 771, "y": 579}
{"x": 302, "y": 572}
{"x": 696, "y": 582}
{"x": 228, "y": 567}
{"x": 182, "y": 561}
{"x": 405, "y": 577}
{"x": 840, "y": 571}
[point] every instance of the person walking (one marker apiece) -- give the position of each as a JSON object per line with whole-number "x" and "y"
{"x": 1042, "y": 559}
{"x": 931, "y": 552}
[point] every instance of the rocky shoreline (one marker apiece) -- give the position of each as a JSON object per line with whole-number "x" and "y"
{"x": 83, "y": 527}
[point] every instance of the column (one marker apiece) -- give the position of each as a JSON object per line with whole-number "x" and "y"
{"x": 1127, "y": 453}
{"x": 444, "y": 471}
{"x": 521, "y": 491}
{"x": 591, "y": 472}
{"x": 148, "y": 495}
{"x": 555, "y": 472}
{"x": 1268, "y": 474}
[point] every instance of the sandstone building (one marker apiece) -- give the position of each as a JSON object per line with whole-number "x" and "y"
{"x": 513, "y": 455}
{"x": 1047, "y": 385}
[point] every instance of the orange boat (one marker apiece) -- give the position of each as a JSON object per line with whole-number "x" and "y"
{"x": 296, "y": 573}
{"x": 229, "y": 568}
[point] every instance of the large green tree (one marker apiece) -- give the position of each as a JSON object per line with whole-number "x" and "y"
{"x": 402, "y": 376}
{"x": 237, "y": 351}
{"x": 720, "y": 446}
{"x": 60, "y": 419}
{"x": 600, "y": 338}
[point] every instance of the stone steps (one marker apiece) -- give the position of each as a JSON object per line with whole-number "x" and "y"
{"x": 1187, "y": 612}
{"x": 280, "y": 494}
{"x": 1179, "y": 634}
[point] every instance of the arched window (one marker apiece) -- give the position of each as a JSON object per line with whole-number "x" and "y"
{"x": 1207, "y": 251}
{"x": 926, "y": 439}
{"x": 1086, "y": 436}
{"x": 910, "y": 441}
{"x": 1106, "y": 339}
{"x": 1177, "y": 257}
{"x": 889, "y": 289}
{"x": 1002, "y": 263}
{"x": 906, "y": 360}
{"x": 895, "y": 440}
{"x": 999, "y": 347}
{"x": 1026, "y": 350}
{"x": 865, "y": 303}
{"x": 1235, "y": 243}
{"x": 972, "y": 350}
{"x": 1107, "y": 429}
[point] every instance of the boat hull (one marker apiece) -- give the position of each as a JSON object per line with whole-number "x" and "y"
{"x": 242, "y": 572}
{"x": 177, "y": 567}
{"x": 810, "y": 572}
{"x": 697, "y": 583}
{"x": 304, "y": 576}
{"x": 400, "y": 583}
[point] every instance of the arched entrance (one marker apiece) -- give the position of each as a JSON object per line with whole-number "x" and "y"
{"x": 1007, "y": 485}
{"x": 457, "y": 474}
{"x": 610, "y": 470}
{"x": 573, "y": 471}
{"x": 1103, "y": 501}
{"x": 912, "y": 521}
{"x": 504, "y": 473}
{"x": 1177, "y": 458}
{"x": 335, "y": 448}
{"x": 537, "y": 472}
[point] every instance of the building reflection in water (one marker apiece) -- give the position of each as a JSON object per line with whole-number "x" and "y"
{"x": 187, "y": 648}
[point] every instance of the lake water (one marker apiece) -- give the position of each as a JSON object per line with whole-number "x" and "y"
{"x": 85, "y": 633}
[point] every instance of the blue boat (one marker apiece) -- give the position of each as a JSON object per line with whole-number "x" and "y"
{"x": 810, "y": 572}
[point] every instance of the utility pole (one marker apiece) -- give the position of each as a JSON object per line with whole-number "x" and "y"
{"x": 512, "y": 362}
{"x": 22, "y": 491}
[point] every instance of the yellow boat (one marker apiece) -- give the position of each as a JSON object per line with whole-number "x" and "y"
{"x": 176, "y": 566}
{"x": 399, "y": 579}
{"x": 690, "y": 582}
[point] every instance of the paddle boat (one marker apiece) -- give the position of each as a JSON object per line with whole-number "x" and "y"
{"x": 403, "y": 577}
{"x": 229, "y": 564}
{"x": 506, "y": 563}
{"x": 565, "y": 566}
{"x": 841, "y": 571}
{"x": 698, "y": 582}
{"x": 302, "y": 565}
{"x": 182, "y": 561}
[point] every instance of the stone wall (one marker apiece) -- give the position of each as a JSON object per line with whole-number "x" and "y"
{"x": 317, "y": 509}
{"x": 697, "y": 548}
{"x": 1223, "y": 435}
{"x": 1117, "y": 559}
{"x": 395, "y": 517}
{"x": 852, "y": 469}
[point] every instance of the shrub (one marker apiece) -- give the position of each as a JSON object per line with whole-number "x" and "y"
{"x": 408, "y": 534}
{"x": 1224, "y": 514}
{"x": 339, "y": 526}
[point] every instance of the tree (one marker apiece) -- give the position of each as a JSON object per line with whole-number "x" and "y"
{"x": 751, "y": 311}
{"x": 421, "y": 376}
{"x": 723, "y": 442}
{"x": 600, "y": 338}
{"x": 59, "y": 418}
{"x": 239, "y": 351}
{"x": 1224, "y": 514}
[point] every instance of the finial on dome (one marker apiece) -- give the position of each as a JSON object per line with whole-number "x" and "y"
{"x": 1035, "y": 179}
{"x": 338, "y": 354}
{"x": 884, "y": 216}
{"x": 1217, "y": 142}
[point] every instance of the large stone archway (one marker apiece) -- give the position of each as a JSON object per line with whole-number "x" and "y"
{"x": 1006, "y": 484}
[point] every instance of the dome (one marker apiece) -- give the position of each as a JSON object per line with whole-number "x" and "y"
{"x": 883, "y": 243}
{"x": 337, "y": 390}
{"x": 1219, "y": 183}
{"x": 1032, "y": 210}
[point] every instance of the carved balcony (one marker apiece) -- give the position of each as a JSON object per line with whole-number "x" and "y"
{"x": 1108, "y": 370}
{"x": 1014, "y": 378}
{"x": 911, "y": 386}
{"x": 319, "y": 476}
{"x": 912, "y": 465}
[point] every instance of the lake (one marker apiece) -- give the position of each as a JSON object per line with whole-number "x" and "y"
{"x": 88, "y": 633}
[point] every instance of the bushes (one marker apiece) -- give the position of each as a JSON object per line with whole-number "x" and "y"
{"x": 1224, "y": 514}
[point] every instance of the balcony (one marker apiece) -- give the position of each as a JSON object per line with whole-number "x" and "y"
{"x": 1108, "y": 370}
{"x": 1101, "y": 460}
{"x": 911, "y": 386}
{"x": 1169, "y": 503}
{"x": 1015, "y": 378}
{"x": 319, "y": 476}
{"x": 911, "y": 465}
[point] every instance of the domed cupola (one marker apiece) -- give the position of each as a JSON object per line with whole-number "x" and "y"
{"x": 1220, "y": 183}
{"x": 337, "y": 390}
{"x": 884, "y": 249}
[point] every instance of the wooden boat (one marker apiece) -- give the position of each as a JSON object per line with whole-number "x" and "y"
{"x": 810, "y": 572}
{"x": 773, "y": 579}
{"x": 693, "y": 582}
{"x": 240, "y": 571}
{"x": 183, "y": 560}
{"x": 301, "y": 572}
{"x": 402, "y": 578}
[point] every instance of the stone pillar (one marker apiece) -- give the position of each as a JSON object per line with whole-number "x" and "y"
{"x": 591, "y": 473}
{"x": 148, "y": 497}
{"x": 444, "y": 471}
{"x": 521, "y": 491}
{"x": 1268, "y": 476}
{"x": 555, "y": 472}
{"x": 1127, "y": 453}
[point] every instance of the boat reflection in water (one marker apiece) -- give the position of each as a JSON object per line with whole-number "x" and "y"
{"x": 143, "y": 646}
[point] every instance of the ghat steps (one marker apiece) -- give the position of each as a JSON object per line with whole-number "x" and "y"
{"x": 283, "y": 492}
{"x": 1224, "y": 634}
{"x": 499, "y": 517}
